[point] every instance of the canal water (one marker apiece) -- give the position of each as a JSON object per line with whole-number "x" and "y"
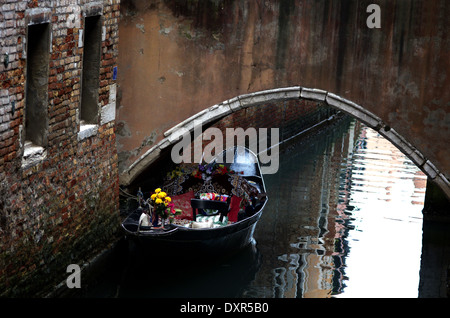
{"x": 344, "y": 219}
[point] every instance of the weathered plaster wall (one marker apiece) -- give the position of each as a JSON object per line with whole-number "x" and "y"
{"x": 180, "y": 57}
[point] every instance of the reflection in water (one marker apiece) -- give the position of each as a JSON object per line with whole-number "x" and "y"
{"x": 131, "y": 274}
{"x": 343, "y": 220}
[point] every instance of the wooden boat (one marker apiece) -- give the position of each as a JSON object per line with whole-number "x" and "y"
{"x": 226, "y": 230}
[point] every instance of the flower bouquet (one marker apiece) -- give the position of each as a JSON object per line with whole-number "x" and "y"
{"x": 162, "y": 207}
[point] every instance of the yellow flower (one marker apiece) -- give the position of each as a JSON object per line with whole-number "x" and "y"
{"x": 168, "y": 199}
{"x": 153, "y": 197}
{"x": 158, "y": 201}
{"x": 161, "y": 194}
{"x": 158, "y": 190}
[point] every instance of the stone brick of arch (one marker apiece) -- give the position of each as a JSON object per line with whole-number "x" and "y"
{"x": 232, "y": 105}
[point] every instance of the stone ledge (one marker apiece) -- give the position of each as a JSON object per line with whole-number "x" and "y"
{"x": 397, "y": 140}
{"x": 32, "y": 154}
{"x": 214, "y": 112}
{"x": 92, "y": 8}
{"x": 108, "y": 113}
{"x": 205, "y": 116}
{"x": 185, "y": 123}
{"x": 266, "y": 96}
{"x": 313, "y": 93}
{"x": 236, "y": 103}
{"x": 87, "y": 131}
{"x": 38, "y": 16}
{"x": 430, "y": 170}
{"x": 354, "y": 109}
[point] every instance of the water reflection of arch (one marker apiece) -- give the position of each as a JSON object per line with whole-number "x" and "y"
{"x": 227, "y": 107}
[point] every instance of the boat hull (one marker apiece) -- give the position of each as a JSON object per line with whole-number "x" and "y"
{"x": 195, "y": 243}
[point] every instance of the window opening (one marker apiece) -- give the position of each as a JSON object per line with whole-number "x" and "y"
{"x": 36, "y": 110}
{"x": 91, "y": 70}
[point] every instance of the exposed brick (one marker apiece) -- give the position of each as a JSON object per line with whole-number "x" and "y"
{"x": 52, "y": 206}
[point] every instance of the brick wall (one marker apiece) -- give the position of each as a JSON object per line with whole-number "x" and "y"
{"x": 59, "y": 204}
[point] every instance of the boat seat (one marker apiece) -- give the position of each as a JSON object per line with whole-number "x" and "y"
{"x": 222, "y": 207}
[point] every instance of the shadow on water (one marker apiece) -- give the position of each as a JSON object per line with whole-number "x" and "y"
{"x": 130, "y": 273}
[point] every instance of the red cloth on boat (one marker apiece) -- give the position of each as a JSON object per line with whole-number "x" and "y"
{"x": 234, "y": 208}
{"x": 183, "y": 202}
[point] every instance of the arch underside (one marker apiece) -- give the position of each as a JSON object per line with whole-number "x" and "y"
{"x": 232, "y": 105}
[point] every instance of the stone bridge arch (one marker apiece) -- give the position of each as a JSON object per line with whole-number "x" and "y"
{"x": 177, "y": 58}
{"x": 234, "y": 104}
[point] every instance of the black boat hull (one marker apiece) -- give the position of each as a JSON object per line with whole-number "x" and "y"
{"x": 208, "y": 242}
